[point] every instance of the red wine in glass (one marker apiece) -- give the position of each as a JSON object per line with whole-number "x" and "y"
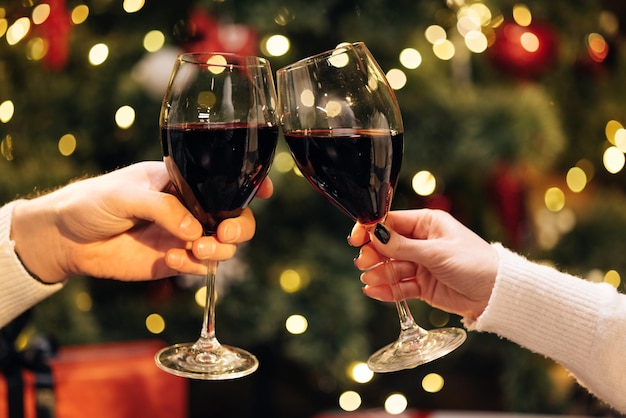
{"x": 217, "y": 169}
{"x": 356, "y": 169}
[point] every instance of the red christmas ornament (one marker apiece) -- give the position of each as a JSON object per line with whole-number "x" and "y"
{"x": 56, "y": 31}
{"x": 206, "y": 34}
{"x": 508, "y": 192}
{"x": 525, "y": 52}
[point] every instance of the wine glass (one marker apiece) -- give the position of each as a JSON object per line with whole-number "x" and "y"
{"x": 218, "y": 136}
{"x": 343, "y": 126}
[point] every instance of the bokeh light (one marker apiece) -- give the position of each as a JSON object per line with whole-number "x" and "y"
{"x": 7, "y": 109}
{"x": 349, "y": 401}
{"x": 290, "y": 281}
{"x": 410, "y": 58}
{"x": 359, "y": 372}
{"x": 396, "y": 404}
{"x": 576, "y": 179}
{"x": 276, "y": 45}
{"x": 522, "y": 15}
{"x": 424, "y": 183}
{"x": 98, "y": 54}
{"x": 79, "y": 14}
{"x": 613, "y": 159}
{"x": 125, "y": 117}
{"x": 296, "y": 324}
{"x": 40, "y": 13}
{"x": 432, "y": 383}
{"x": 444, "y": 50}
{"x": 613, "y": 278}
{"x": 283, "y": 162}
{"x": 396, "y": 78}
{"x": 83, "y": 301}
{"x": 67, "y": 145}
{"x": 133, "y": 6}
{"x": 153, "y": 41}
{"x": 554, "y": 199}
{"x": 18, "y": 30}
{"x": 155, "y": 323}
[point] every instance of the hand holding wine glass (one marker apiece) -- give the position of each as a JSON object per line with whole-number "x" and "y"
{"x": 343, "y": 125}
{"x": 218, "y": 137}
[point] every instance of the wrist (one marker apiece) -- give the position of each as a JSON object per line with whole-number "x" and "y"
{"x": 33, "y": 230}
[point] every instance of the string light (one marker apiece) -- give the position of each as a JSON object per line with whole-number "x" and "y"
{"x": 155, "y": 323}
{"x": 554, "y": 199}
{"x": 349, "y": 401}
{"x": 283, "y": 162}
{"x": 276, "y": 45}
{"x": 396, "y": 78}
{"x": 79, "y": 14}
{"x": 576, "y": 179}
{"x": 296, "y": 324}
{"x": 613, "y": 278}
{"x": 410, "y": 58}
{"x": 133, "y": 6}
{"x": 613, "y": 159}
{"x": 7, "y": 108}
{"x": 67, "y": 145}
{"x": 424, "y": 183}
{"x": 83, "y": 301}
{"x": 153, "y": 41}
{"x": 432, "y": 383}
{"x": 18, "y": 30}
{"x": 98, "y": 54}
{"x": 396, "y": 404}
{"x": 359, "y": 372}
{"x": 125, "y": 117}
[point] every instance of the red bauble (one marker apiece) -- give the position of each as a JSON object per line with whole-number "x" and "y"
{"x": 524, "y": 52}
{"x": 207, "y": 34}
{"x": 56, "y": 31}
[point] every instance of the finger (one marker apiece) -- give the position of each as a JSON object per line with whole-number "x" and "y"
{"x": 168, "y": 212}
{"x": 266, "y": 189}
{"x": 237, "y": 230}
{"x": 208, "y": 248}
{"x": 384, "y": 293}
{"x": 368, "y": 258}
{"x": 402, "y": 271}
{"x": 183, "y": 262}
{"x": 358, "y": 236}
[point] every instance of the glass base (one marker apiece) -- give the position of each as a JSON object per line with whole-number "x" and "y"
{"x": 416, "y": 349}
{"x": 219, "y": 363}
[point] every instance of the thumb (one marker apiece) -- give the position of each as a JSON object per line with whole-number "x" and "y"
{"x": 393, "y": 245}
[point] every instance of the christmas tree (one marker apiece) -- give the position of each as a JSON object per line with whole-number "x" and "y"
{"x": 513, "y": 118}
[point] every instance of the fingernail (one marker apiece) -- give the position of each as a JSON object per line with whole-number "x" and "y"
{"x": 187, "y": 226}
{"x": 382, "y": 234}
{"x": 174, "y": 260}
{"x": 206, "y": 249}
{"x": 231, "y": 232}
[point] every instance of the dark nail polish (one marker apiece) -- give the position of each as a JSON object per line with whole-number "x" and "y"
{"x": 382, "y": 234}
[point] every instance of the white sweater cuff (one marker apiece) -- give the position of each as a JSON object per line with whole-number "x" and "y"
{"x": 18, "y": 289}
{"x": 541, "y": 308}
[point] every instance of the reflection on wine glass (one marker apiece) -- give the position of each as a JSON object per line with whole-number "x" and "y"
{"x": 218, "y": 137}
{"x": 343, "y": 125}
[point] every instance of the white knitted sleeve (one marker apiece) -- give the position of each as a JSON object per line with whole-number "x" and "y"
{"x": 580, "y": 324}
{"x": 18, "y": 289}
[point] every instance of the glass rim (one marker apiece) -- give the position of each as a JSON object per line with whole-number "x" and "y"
{"x": 321, "y": 55}
{"x": 246, "y": 60}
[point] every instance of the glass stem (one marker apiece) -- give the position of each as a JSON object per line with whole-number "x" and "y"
{"x": 207, "y": 334}
{"x": 407, "y": 322}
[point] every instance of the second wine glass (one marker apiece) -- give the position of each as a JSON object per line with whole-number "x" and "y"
{"x": 343, "y": 125}
{"x": 218, "y": 137}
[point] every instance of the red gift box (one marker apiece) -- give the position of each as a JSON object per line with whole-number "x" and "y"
{"x": 106, "y": 380}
